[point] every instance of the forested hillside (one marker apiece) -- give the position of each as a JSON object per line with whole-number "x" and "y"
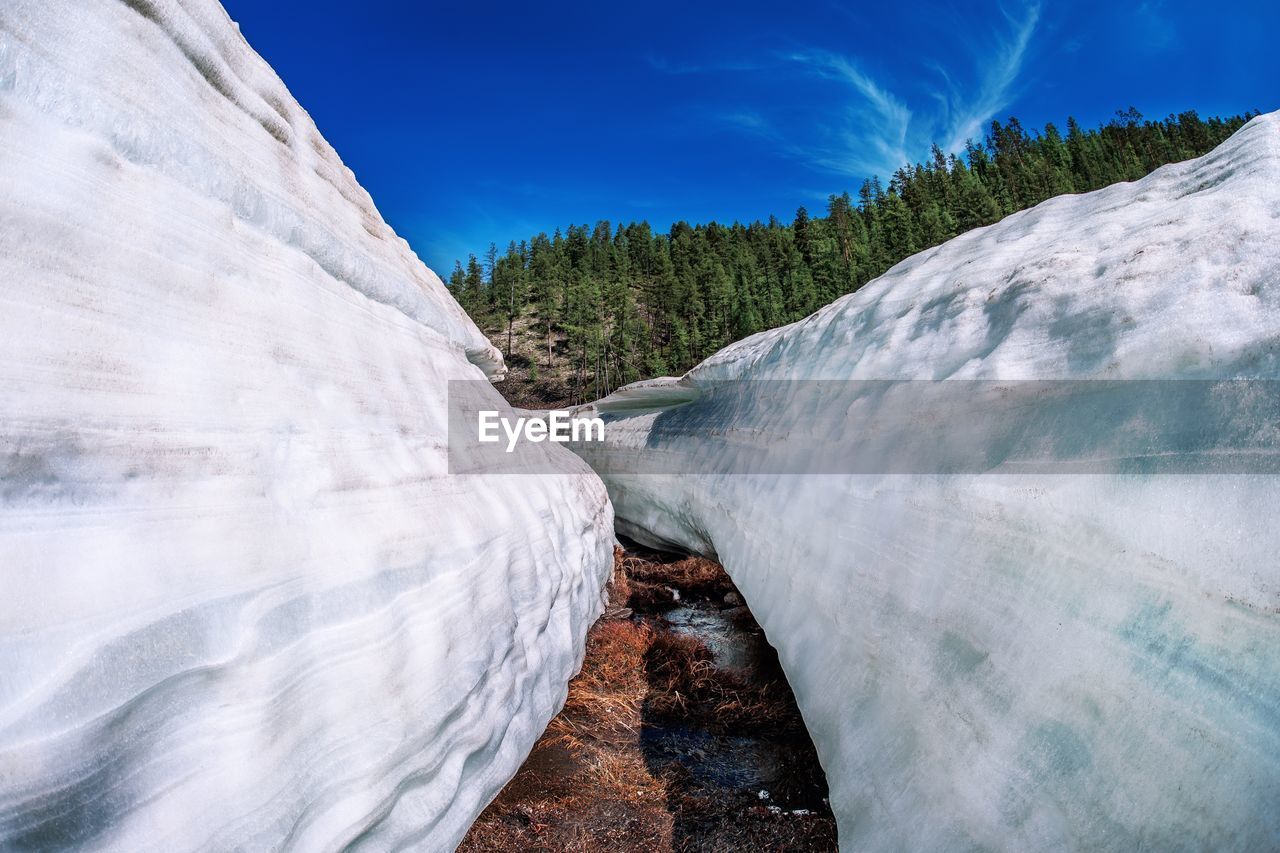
{"x": 591, "y": 308}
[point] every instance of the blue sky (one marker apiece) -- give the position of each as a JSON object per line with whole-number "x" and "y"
{"x": 474, "y": 122}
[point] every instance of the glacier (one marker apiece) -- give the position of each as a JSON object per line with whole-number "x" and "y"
{"x": 1008, "y": 658}
{"x": 245, "y": 604}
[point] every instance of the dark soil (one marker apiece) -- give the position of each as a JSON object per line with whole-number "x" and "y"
{"x": 533, "y": 381}
{"x": 679, "y": 734}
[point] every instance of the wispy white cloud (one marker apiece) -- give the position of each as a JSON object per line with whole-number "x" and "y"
{"x": 747, "y": 120}
{"x": 970, "y": 114}
{"x": 877, "y": 130}
{"x": 876, "y": 122}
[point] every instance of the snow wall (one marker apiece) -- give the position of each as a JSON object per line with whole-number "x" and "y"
{"x": 989, "y": 658}
{"x": 242, "y": 603}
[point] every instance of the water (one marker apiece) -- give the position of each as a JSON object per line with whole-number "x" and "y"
{"x": 733, "y": 647}
{"x": 721, "y": 761}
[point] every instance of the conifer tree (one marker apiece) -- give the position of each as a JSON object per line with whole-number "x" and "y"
{"x": 627, "y": 303}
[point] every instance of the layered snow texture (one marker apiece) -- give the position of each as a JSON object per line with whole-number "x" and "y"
{"x": 1005, "y": 661}
{"x": 243, "y": 604}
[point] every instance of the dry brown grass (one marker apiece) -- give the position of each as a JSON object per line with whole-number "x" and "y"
{"x": 693, "y": 576}
{"x": 682, "y": 673}
{"x": 612, "y": 683}
{"x": 619, "y": 582}
{"x": 679, "y": 663}
{"x": 588, "y": 785}
{"x": 651, "y": 597}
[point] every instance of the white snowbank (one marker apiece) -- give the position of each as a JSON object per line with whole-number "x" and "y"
{"x": 1010, "y": 661}
{"x": 243, "y": 604}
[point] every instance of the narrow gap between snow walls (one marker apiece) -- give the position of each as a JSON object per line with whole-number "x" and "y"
{"x": 680, "y": 732}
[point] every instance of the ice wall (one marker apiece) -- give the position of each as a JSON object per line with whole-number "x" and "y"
{"x": 242, "y": 603}
{"x": 1001, "y": 660}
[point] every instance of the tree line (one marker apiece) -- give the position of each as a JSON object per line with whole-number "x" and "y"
{"x": 627, "y": 303}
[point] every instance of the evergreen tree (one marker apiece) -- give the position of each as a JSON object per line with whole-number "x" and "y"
{"x": 626, "y": 303}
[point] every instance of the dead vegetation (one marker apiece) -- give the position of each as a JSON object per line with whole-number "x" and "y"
{"x": 615, "y": 769}
{"x": 654, "y": 586}
{"x": 684, "y": 681}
